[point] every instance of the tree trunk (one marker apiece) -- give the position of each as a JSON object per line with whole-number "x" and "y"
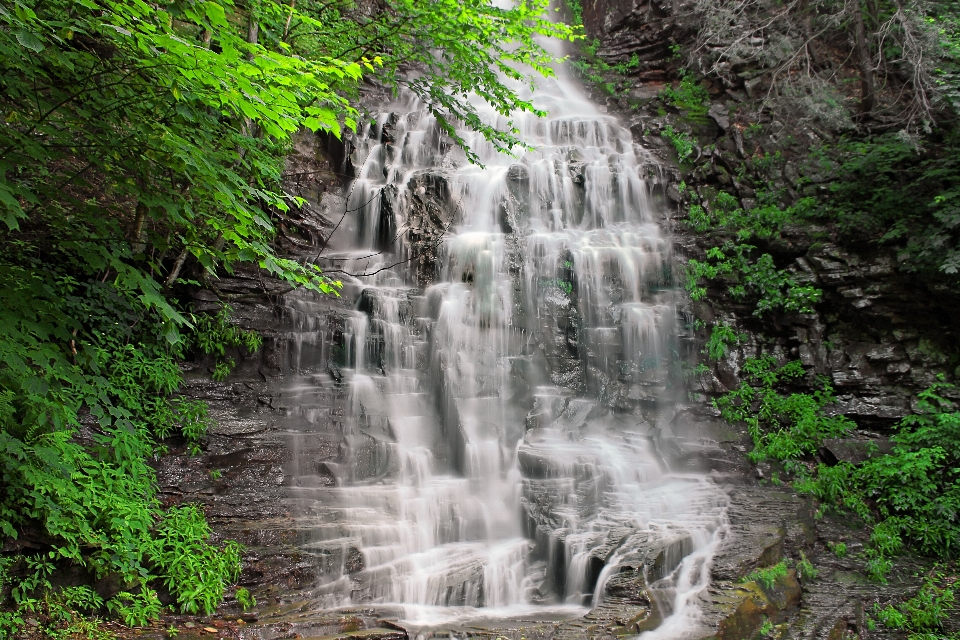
{"x": 807, "y": 12}
{"x": 136, "y": 234}
{"x": 177, "y": 266}
{"x": 867, "y": 87}
{"x": 253, "y": 32}
{"x": 286, "y": 27}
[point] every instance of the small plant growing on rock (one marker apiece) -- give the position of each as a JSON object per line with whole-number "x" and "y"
{"x": 721, "y": 338}
{"x": 136, "y": 609}
{"x": 838, "y": 549}
{"x": 766, "y": 628}
{"x": 757, "y": 279}
{"x": 689, "y": 97}
{"x": 877, "y": 566}
{"x": 783, "y": 427}
{"x": 213, "y": 334}
{"x": 681, "y": 141}
{"x": 805, "y": 568}
{"x": 769, "y": 576}
{"x": 924, "y": 614}
{"x": 245, "y": 599}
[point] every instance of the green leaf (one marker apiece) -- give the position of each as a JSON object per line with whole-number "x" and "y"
{"x": 29, "y": 40}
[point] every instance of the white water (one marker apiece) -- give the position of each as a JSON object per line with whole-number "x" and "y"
{"x": 483, "y": 471}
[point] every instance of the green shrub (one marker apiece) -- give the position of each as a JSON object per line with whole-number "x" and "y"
{"x": 913, "y": 492}
{"x": 721, "y": 337}
{"x": 753, "y": 279}
{"x": 245, "y": 599}
{"x": 69, "y": 612}
{"x": 890, "y": 189}
{"x": 213, "y": 334}
{"x": 910, "y": 496}
{"x": 766, "y": 628}
{"x": 89, "y": 488}
{"x": 689, "y": 97}
{"x": 805, "y": 568}
{"x": 682, "y": 142}
{"x": 924, "y": 613}
{"x": 699, "y": 219}
{"x": 136, "y": 609}
{"x": 576, "y": 12}
{"x": 783, "y": 426}
{"x": 762, "y": 221}
{"x": 877, "y": 566}
{"x": 193, "y": 570}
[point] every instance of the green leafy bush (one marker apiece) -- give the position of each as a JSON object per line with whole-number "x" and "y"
{"x": 213, "y": 334}
{"x": 721, "y": 337}
{"x": 890, "y": 189}
{"x": 782, "y": 426}
{"x": 689, "y": 96}
{"x": 757, "y": 279}
{"x": 762, "y": 221}
{"x": 682, "y": 142}
{"x": 805, "y": 568}
{"x": 193, "y": 570}
{"x": 909, "y": 496}
{"x": 68, "y": 612}
{"x": 912, "y": 493}
{"x": 598, "y": 71}
{"x": 136, "y": 609}
{"x": 699, "y": 219}
{"x": 923, "y": 615}
{"x": 245, "y": 599}
{"x": 77, "y": 432}
{"x": 576, "y": 12}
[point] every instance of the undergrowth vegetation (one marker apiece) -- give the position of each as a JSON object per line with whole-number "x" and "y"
{"x": 768, "y": 577}
{"x": 909, "y": 497}
{"x": 599, "y": 73}
{"x": 900, "y": 191}
{"x": 783, "y": 426}
{"x": 688, "y": 96}
{"x": 76, "y": 436}
{"x": 756, "y": 279}
{"x": 923, "y": 615}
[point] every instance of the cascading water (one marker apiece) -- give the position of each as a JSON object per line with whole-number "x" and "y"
{"x": 508, "y": 382}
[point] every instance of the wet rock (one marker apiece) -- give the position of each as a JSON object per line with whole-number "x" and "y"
{"x": 749, "y": 605}
{"x": 303, "y": 619}
{"x": 429, "y": 212}
{"x": 854, "y": 451}
{"x": 720, "y": 116}
{"x": 388, "y": 129}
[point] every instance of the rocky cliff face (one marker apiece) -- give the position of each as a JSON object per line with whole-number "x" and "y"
{"x": 648, "y": 29}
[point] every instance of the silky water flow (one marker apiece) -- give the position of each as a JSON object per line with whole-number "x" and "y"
{"x": 499, "y": 443}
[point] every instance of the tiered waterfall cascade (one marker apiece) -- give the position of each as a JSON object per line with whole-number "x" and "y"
{"x": 507, "y": 372}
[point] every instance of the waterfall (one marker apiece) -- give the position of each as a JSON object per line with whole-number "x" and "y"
{"x": 503, "y": 373}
